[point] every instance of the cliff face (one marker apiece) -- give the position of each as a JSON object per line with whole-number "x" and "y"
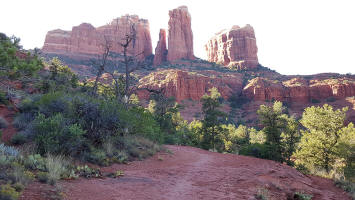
{"x": 299, "y": 89}
{"x": 235, "y": 47}
{"x": 86, "y": 39}
{"x": 160, "y": 51}
{"x": 184, "y": 85}
{"x": 180, "y": 40}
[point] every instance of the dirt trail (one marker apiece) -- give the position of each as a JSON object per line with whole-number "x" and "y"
{"x": 191, "y": 173}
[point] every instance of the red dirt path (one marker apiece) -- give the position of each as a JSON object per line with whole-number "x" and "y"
{"x": 191, "y": 173}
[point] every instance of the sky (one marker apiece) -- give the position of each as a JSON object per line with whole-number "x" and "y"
{"x": 293, "y": 36}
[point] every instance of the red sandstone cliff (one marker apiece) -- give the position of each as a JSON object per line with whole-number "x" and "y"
{"x": 180, "y": 40}
{"x": 185, "y": 85}
{"x": 160, "y": 51}
{"x": 235, "y": 47}
{"x": 86, "y": 39}
{"x": 299, "y": 89}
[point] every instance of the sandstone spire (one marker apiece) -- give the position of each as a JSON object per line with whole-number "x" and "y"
{"x": 180, "y": 40}
{"x": 160, "y": 50}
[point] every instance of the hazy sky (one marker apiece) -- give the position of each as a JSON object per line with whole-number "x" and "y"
{"x": 293, "y": 37}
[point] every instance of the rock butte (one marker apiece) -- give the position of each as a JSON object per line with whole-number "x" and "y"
{"x": 180, "y": 40}
{"x": 235, "y": 47}
{"x": 160, "y": 51}
{"x": 86, "y": 39}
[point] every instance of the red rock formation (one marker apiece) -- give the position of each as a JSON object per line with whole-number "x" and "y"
{"x": 180, "y": 40}
{"x": 235, "y": 47}
{"x": 86, "y": 39}
{"x": 57, "y": 41}
{"x": 299, "y": 90}
{"x": 185, "y": 85}
{"x": 160, "y": 51}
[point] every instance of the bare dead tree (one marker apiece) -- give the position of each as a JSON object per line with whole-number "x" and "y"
{"x": 130, "y": 64}
{"x": 107, "y": 45}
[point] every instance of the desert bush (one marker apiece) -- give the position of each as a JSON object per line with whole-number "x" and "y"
{"x": 7, "y": 192}
{"x": 139, "y": 147}
{"x": 54, "y": 135}
{"x": 3, "y": 123}
{"x": 87, "y": 172}
{"x": 20, "y": 175}
{"x": 315, "y": 101}
{"x": 3, "y": 98}
{"x": 35, "y": 162}
{"x": 19, "y": 138}
{"x": 347, "y": 186}
{"x": 302, "y": 196}
{"x": 256, "y": 150}
{"x": 56, "y": 167}
{"x": 96, "y": 156}
{"x": 43, "y": 177}
{"x": 8, "y": 151}
{"x": 262, "y": 194}
{"x": 331, "y": 99}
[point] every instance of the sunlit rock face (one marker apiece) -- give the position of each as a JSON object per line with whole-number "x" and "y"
{"x": 299, "y": 89}
{"x": 86, "y": 39}
{"x": 235, "y": 47}
{"x": 185, "y": 85}
{"x": 161, "y": 50}
{"x": 180, "y": 39}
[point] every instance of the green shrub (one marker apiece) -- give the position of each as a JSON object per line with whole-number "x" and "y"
{"x": 20, "y": 175}
{"x": 18, "y": 139}
{"x": 87, "y": 172}
{"x": 139, "y": 147}
{"x": 97, "y": 156}
{"x": 262, "y": 194}
{"x": 302, "y": 196}
{"x": 255, "y": 150}
{"x": 7, "y": 192}
{"x": 54, "y": 135}
{"x": 18, "y": 187}
{"x": 331, "y": 99}
{"x": 3, "y": 98}
{"x": 347, "y": 186}
{"x": 35, "y": 162}
{"x": 315, "y": 101}
{"x": 43, "y": 177}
